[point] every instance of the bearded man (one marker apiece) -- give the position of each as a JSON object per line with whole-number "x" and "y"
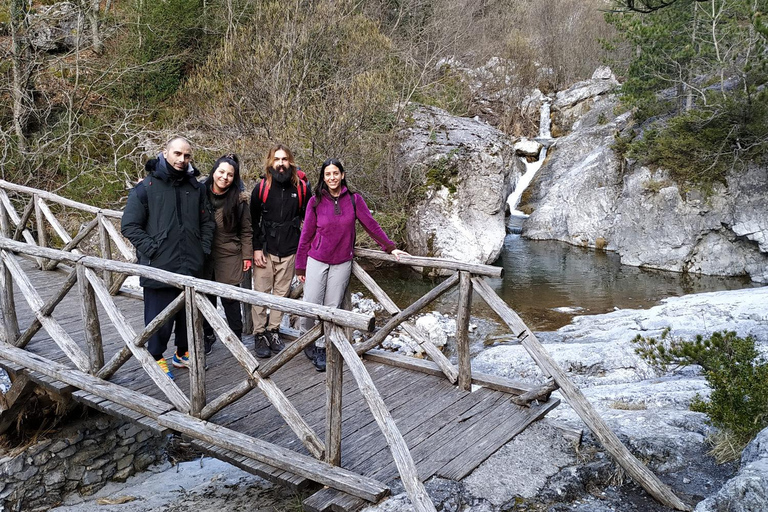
{"x": 277, "y": 209}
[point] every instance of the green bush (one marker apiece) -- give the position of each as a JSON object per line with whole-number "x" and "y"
{"x": 700, "y": 147}
{"x": 733, "y": 368}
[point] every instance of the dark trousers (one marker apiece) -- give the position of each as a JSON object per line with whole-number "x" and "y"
{"x": 156, "y": 300}
{"x": 233, "y": 313}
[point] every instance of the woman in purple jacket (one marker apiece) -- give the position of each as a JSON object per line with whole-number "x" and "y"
{"x": 326, "y": 246}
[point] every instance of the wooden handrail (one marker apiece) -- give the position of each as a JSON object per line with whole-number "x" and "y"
{"x": 50, "y": 196}
{"x": 423, "y": 261}
{"x": 360, "y": 321}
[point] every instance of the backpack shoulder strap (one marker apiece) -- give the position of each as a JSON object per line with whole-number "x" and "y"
{"x": 263, "y": 190}
{"x": 354, "y": 206}
{"x": 302, "y": 190}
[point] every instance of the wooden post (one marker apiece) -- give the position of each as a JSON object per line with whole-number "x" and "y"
{"x": 245, "y": 309}
{"x": 333, "y": 392}
{"x": 10, "y": 321}
{"x": 462, "y": 330}
{"x": 7, "y": 302}
{"x": 42, "y": 237}
{"x": 105, "y": 247}
{"x": 196, "y": 352}
{"x": 400, "y": 453}
{"x": 91, "y": 325}
{"x": 576, "y": 399}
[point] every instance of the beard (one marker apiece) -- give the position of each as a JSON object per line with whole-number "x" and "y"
{"x": 281, "y": 177}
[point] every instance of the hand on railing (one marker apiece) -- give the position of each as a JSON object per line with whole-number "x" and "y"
{"x": 397, "y": 253}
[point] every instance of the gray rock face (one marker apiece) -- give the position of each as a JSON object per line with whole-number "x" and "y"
{"x": 469, "y": 169}
{"x": 748, "y": 490}
{"x": 585, "y": 195}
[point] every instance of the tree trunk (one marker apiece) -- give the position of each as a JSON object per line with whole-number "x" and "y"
{"x": 22, "y": 66}
{"x": 93, "y": 17}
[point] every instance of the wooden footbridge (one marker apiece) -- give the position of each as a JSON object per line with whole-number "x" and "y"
{"x": 70, "y": 326}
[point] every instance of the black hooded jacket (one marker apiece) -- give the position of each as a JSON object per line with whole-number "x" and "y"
{"x": 277, "y": 221}
{"x": 169, "y": 221}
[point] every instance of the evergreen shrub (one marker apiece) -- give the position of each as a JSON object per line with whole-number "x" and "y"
{"x": 733, "y": 368}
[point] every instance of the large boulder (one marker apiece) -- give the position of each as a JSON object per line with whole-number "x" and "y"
{"x": 56, "y": 28}
{"x": 469, "y": 168}
{"x": 585, "y": 194}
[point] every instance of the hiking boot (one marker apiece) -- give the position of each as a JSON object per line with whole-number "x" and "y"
{"x": 261, "y": 345}
{"x": 209, "y": 341}
{"x": 164, "y": 366}
{"x": 319, "y": 361}
{"x": 275, "y": 343}
{"x": 180, "y": 362}
{"x": 309, "y": 351}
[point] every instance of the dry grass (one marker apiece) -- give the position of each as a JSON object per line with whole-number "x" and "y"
{"x": 725, "y": 446}
{"x": 629, "y": 406}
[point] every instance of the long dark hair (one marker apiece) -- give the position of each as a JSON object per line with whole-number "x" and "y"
{"x": 321, "y": 185}
{"x": 231, "y": 195}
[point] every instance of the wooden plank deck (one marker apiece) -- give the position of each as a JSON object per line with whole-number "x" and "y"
{"x": 448, "y": 431}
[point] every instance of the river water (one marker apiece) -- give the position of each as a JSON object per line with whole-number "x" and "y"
{"x": 547, "y": 283}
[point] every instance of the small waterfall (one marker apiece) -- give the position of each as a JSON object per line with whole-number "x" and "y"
{"x": 531, "y": 168}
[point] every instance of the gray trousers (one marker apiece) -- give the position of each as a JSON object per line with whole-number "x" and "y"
{"x": 326, "y": 285}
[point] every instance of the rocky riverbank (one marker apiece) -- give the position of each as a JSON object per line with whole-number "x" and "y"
{"x": 541, "y": 469}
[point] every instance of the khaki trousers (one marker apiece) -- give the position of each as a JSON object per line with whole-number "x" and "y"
{"x": 276, "y": 279}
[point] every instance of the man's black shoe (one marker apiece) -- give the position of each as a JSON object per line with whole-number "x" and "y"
{"x": 261, "y": 345}
{"x": 275, "y": 343}
{"x": 319, "y": 359}
{"x": 209, "y": 341}
{"x": 309, "y": 351}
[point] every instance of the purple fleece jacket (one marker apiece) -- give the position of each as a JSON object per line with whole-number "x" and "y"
{"x": 328, "y": 234}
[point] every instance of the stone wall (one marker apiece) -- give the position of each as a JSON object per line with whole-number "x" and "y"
{"x": 81, "y": 457}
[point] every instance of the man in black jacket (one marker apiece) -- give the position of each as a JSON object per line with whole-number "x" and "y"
{"x": 277, "y": 210}
{"x": 168, "y": 219}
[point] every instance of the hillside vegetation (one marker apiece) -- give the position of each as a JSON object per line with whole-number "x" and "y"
{"x": 326, "y": 77}
{"x": 81, "y": 110}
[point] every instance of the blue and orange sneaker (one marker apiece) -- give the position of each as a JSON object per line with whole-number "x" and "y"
{"x": 180, "y": 362}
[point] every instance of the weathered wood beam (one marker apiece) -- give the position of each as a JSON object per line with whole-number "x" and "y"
{"x": 105, "y": 249}
{"x": 42, "y": 234}
{"x": 196, "y": 351}
{"x": 124, "y": 354}
{"x": 414, "y": 332}
{"x": 363, "y": 322}
{"x": 576, "y": 399}
{"x": 14, "y": 217}
{"x": 58, "y": 199}
{"x": 540, "y": 393}
{"x": 127, "y": 251}
{"x": 400, "y": 453}
{"x": 227, "y": 398}
{"x": 47, "y": 309}
{"x": 399, "y": 318}
{"x": 276, "y": 456}
{"x": 462, "y": 330}
{"x": 333, "y": 402}
{"x": 51, "y": 325}
{"x": 53, "y": 221}
{"x": 8, "y": 306}
{"x": 73, "y": 243}
{"x": 91, "y": 324}
{"x": 25, "y": 215}
{"x": 420, "y": 365}
{"x": 267, "y": 386}
{"x": 126, "y": 332}
{"x": 131, "y": 399}
{"x": 422, "y": 261}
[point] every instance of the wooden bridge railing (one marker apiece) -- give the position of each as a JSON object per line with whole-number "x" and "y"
{"x": 192, "y": 412}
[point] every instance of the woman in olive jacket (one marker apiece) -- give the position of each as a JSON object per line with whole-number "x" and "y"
{"x": 231, "y": 251}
